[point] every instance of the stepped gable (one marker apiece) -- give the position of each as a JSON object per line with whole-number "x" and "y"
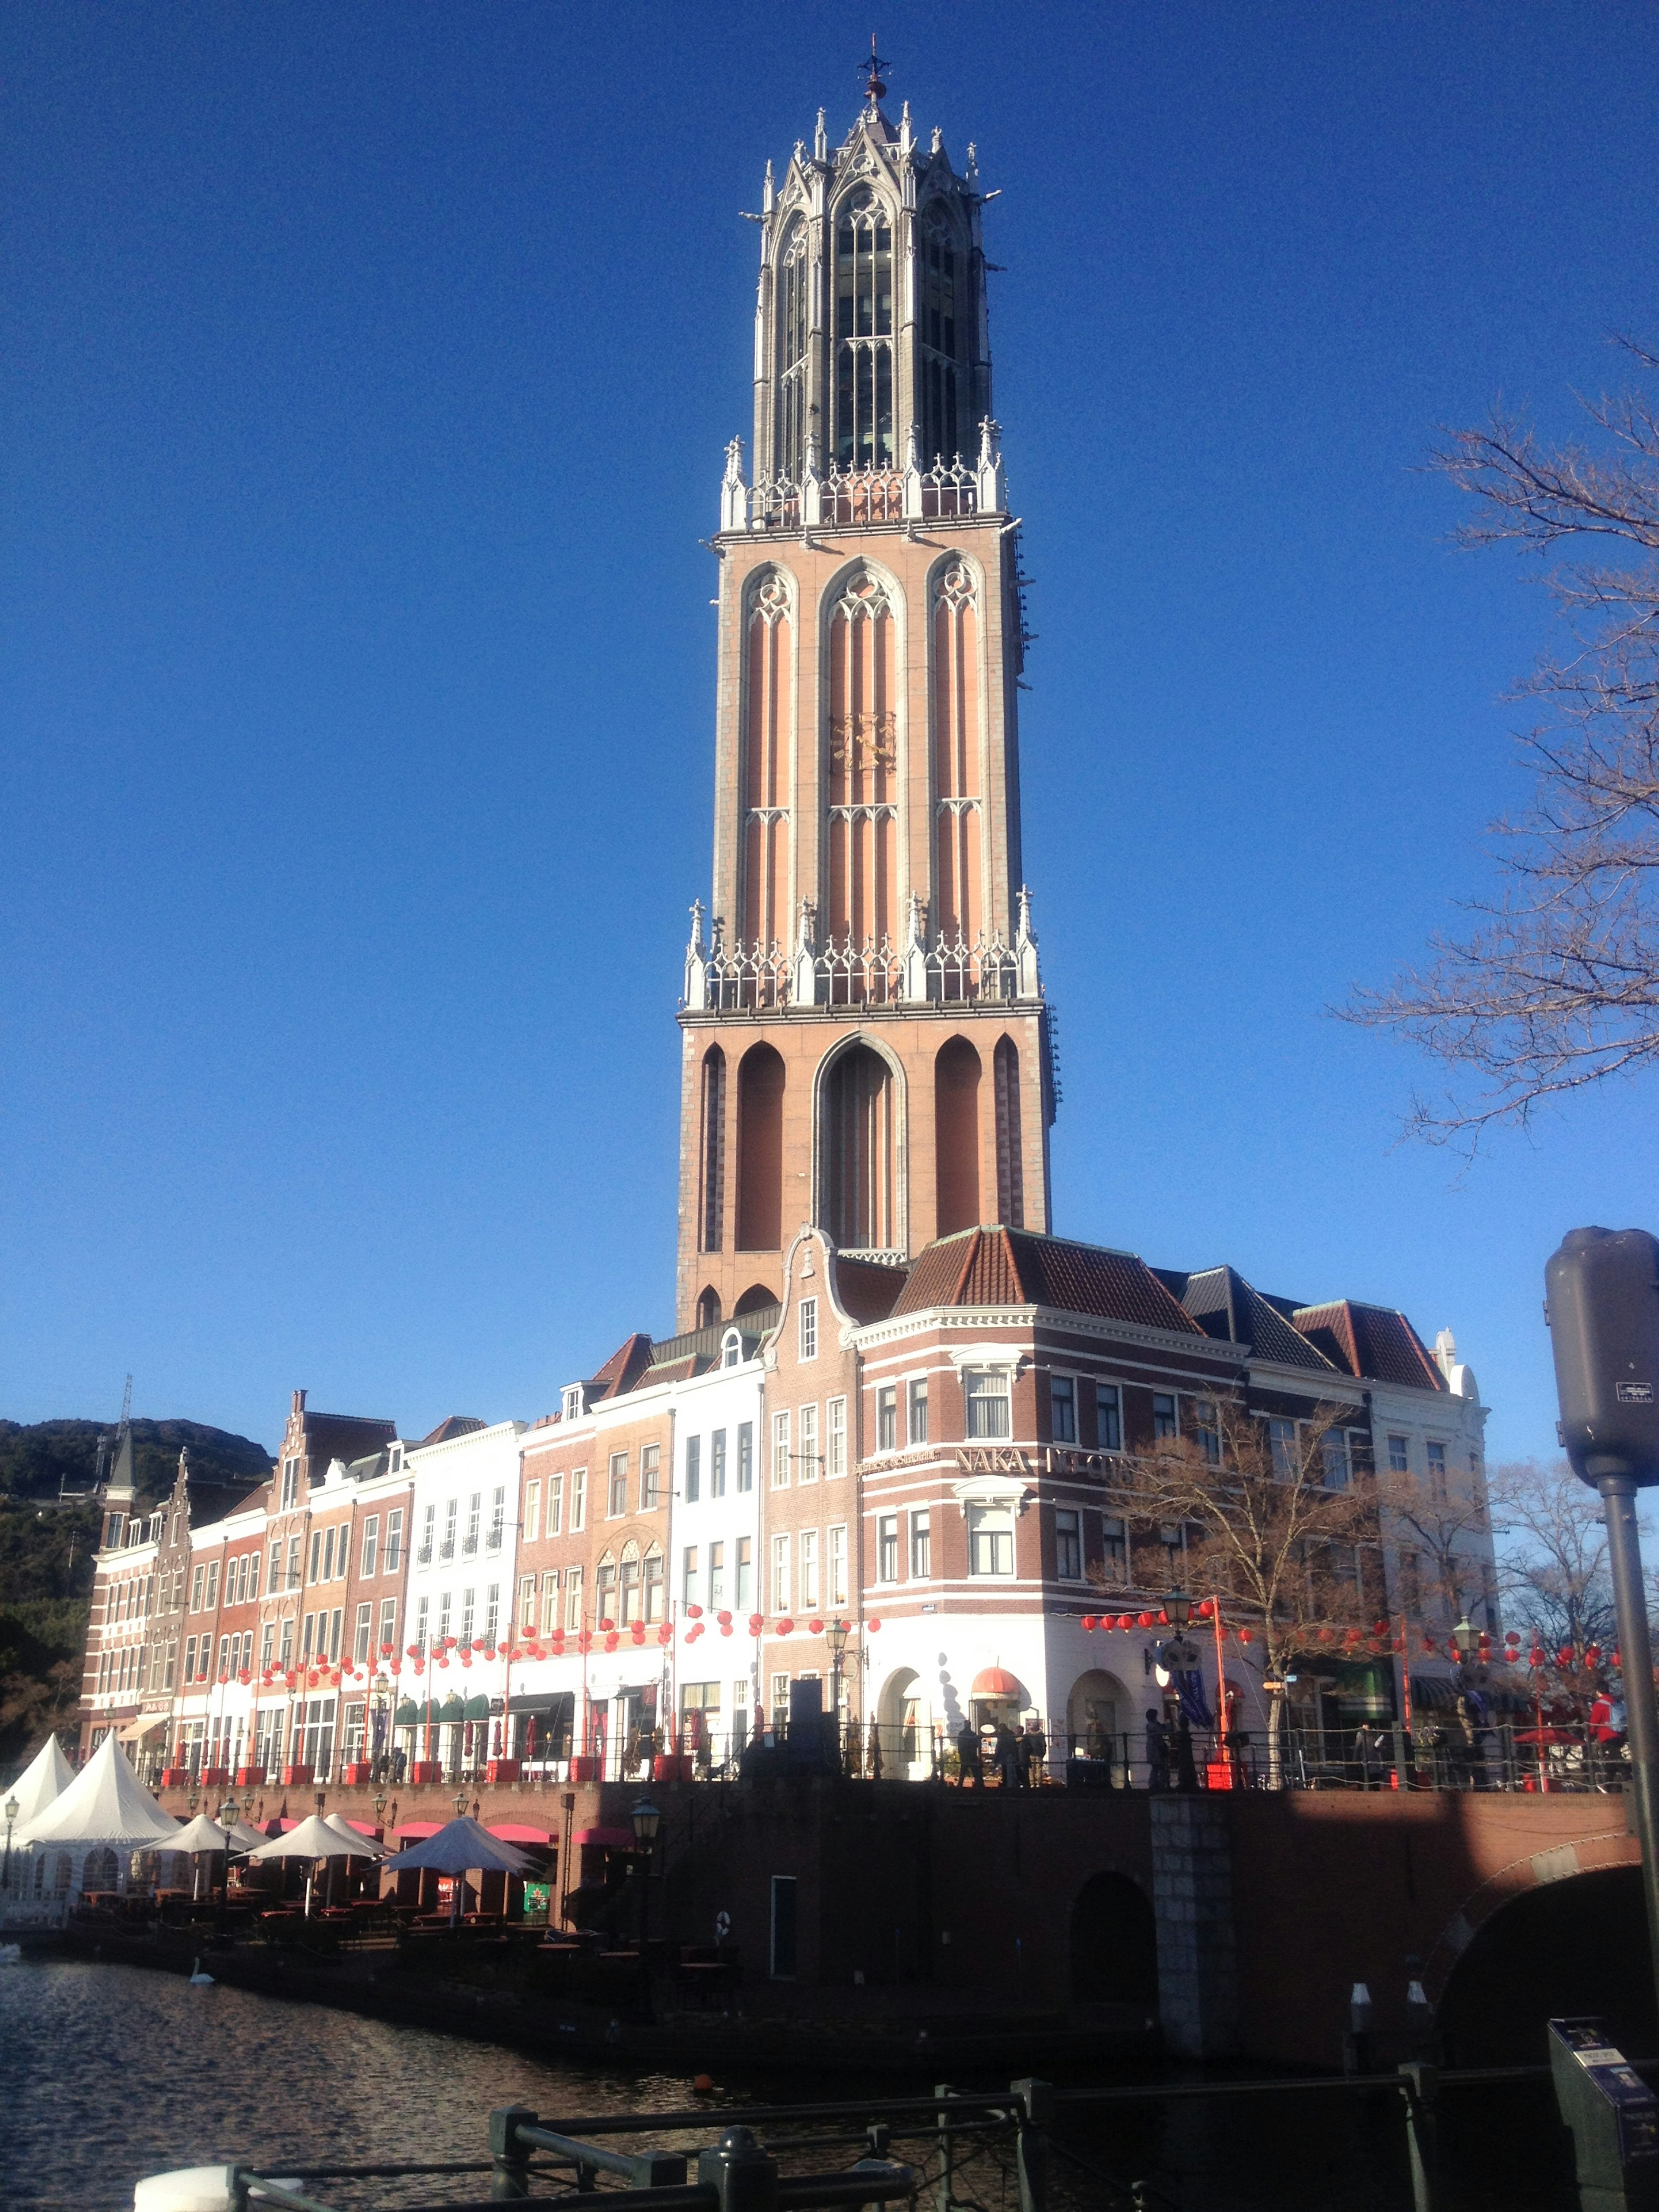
{"x": 456, "y": 1424}
{"x": 1018, "y": 1267}
{"x": 1230, "y": 1309}
{"x": 866, "y": 1289}
{"x": 1371, "y": 1343}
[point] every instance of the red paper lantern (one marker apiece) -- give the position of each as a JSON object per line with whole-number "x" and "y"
{"x": 665, "y": 1634}
{"x": 1089, "y": 1621}
{"x": 1513, "y": 1636}
{"x": 873, "y": 1627}
{"x": 1379, "y": 1627}
{"x": 1592, "y": 1653}
{"x": 449, "y": 1642}
{"x": 1126, "y": 1621}
{"x": 1511, "y": 1654}
{"x": 694, "y": 1612}
{"x": 785, "y": 1628}
{"x": 608, "y": 1626}
{"x": 1163, "y": 1619}
{"x": 815, "y": 1628}
{"x": 757, "y": 1622}
{"x": 414, "y": 1650}
{"x": 726, "y": 1628}
{"x": 1564, "y": 1656}
{"x": 477, "y": 1644}
{"x": 387, "y": 1649}
{"x": 611, "y": 1639}
{"x": 1247, "y": 1636}
{"x": 1145, "y": 1620}
{"x": 724, "y": 1618}
{"x": 1205, "y": 1608}
{"x": 637, "y": 1629}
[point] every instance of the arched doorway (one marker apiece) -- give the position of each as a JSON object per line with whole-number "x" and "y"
{"x": 760, "y": 1150}
{"x": 859, "y": 1194}
{"x": 1099, "y": 1713}
{"x": 1114, "y": 1944}
{"x": 905, "y": 1719}
{"x": 1573, "y": 1946}
{"x": 1011, "y": 1172}
{"x": 956, "y": 1136}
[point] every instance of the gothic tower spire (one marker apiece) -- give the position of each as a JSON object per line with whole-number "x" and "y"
{"x": 866, "y": 1039}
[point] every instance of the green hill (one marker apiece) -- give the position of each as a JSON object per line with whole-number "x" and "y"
{"x": 46, "y": 1550}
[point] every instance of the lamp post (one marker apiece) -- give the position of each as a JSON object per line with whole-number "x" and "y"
{"x": 1179, "y": 1608}
{"x": 647, "y": 1821}
{"x": 836, "y": 1633}
{"x": 1178, "y": 1612}
{"x": 1465, "y": 1637}
{"x": 12, "y": 1809}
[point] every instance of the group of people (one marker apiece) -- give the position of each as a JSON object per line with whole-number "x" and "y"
{"x": 1019, "y": 1759}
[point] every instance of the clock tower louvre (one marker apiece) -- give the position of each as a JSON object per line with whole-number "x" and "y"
{"x": 865, "y": 1042}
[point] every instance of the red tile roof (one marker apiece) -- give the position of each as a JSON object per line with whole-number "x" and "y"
{"x": 1374, "y": 1343}
{"x": 626, "y": 1364}
{"x": 866, "y": 1291}
{"x": 1016, "y": 1266}
{"x": 456, "y": 1424}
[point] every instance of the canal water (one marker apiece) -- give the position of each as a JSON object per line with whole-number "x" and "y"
{"x": 108, "y": 2073}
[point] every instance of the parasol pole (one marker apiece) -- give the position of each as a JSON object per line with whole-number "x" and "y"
{"x": 1221, "y": 1674}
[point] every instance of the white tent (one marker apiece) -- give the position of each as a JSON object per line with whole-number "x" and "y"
{"x": 104, "y": 1804}
{"x": 338, "y": 1820}
{"x": 459, "y": 1847}
{"x": 45, "y": 1777}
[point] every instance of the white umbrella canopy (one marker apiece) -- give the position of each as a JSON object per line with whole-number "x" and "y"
{"x": 459, "y": 1847}
{"x": 338, "y": 1820}
{"x": 244, "y": 1838}
{"x": 105, "y": 1803}
{"x": 44, "y": 1780}
{"x": 314, "y": 1838}
{"x": 201, "y": 1835}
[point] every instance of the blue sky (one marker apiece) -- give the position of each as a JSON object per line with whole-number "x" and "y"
{"x": 366, "y": 378}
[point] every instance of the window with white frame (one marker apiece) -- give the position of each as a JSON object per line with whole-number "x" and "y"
{"x": 578, "y": 1500}
{"x": 806, "y": 1456}
{"x": 617, "y": 1504}
{"x": 922, "y": 1545}
{"x": 807, "y": 1572}
{"x": 364, "y": 1630}
{"x": 1166, "y": 1424}
{"x": 650, "y": 1477}
{"x": 985, "y": 1398}
{"x": 780, "y": 1574}
{"x": 474, "y": 1521}
{"x": 1068, "y": 1544}
{"x": 781, "y": 1450}
{"x": 492, "y": 1619}
{"x": 917, "y": 1409}
{"x": 693, "y": 1476}
{"x": 717, "y": 1463}
{"x": 555, "y": 1503}
{"x": 690, "y": 1577}
{"x": 716, "y": 1577}
{"x": 991, "y": 1539}
{"x": 1062, "y": 1409}
{"x": 1334, "y": 1457}
{"x": 745, "y": 1455}
{"x": 808, "y": 1328}
{"x": 445, "y": 1606}
{"x": 629, "y": 1587}
{"x": 1115, "y": 1548}
{"x": 423, "y": 1615}
{"x": 532, "y": 1510}
{"x": 388, "y": 1625}
{"x": 836, "y": 1417}
{"x": 497, "y": 1534}
{"x": 573, "y": 1407}
{"x": 572, "y": 1598}
{"x": 1399, "y": 1458}
{"x": 371, "y": 1544}
{"x": 469, "y": 1610}
{"x": 451, "y": 1523}
{"x": 887, "y": 1418}
{"x": 887, "y": 1548}
{"x": 743, "y": 1596}
{"x": 1436, "y": 1454}
{"x": 654, "y": 1609}
{"x": 428, "y": 1537}
{"x": 1281, "y": 1442}
{"x": 1109, "y": 1417}
{"x": 1206, "y": 1425}
{"x": 290, "y": 1485}
{"x": 550, "y": 1601}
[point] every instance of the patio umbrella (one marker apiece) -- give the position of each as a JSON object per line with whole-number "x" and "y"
{"x": 338, "y": 1820}
{"x": 459, "y": 1847}
{"x": 316, "y": 1839}
{"x": 201, "y": 1835}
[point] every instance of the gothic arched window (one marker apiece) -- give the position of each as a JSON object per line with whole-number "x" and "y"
{"x": 793, "y": 277}
{"x": 859, "y": 1152}
{"x": 956, "y": 1136}
{"x": 760, "y": 1151}
{"x": 713, "y": 1151}
{"x": 766, "y": 760}
{"x": 864, "y": 334}
{"x": 941, "y": 274}
{"x": 863, "y": 768}
{"x": 1011, "y": 1173}
{"x": 956, "y": 752}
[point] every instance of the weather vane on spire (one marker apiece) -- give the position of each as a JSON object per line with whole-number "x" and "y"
{"x": 871, "y": 71}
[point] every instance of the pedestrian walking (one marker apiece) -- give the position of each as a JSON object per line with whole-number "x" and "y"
{"x": 1157, "y": 1750}
{"x": 972, "y": 1774}
{"x": 1008, "y": 1756}
{"x": 1368, "y": 1755}
{"x": 1033, "y": 1754}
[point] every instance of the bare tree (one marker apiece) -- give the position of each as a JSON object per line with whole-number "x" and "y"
{"x": 1430, "y": 1521}
{"x": 1553, "y": 1560}
{"x": 1265, "y": 1533}
{"x": 1555, "y": 984}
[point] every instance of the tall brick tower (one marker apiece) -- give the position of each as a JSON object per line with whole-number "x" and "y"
{"x": 866, "y": 1041}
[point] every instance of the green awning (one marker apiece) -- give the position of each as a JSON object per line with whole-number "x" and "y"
{"x": 451, "y": 1709}
{"x": 408, "y": 1715}
{"x": 476, "y": 1709}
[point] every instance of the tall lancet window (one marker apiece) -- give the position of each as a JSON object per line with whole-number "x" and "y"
{"x": 863, "y": 764}
{"x": 864, "y": 335}
{"x": 938, "y": 260}
{"x": 858, "y": 1151}
{"x": 956, "y": 752}
{"x": 793, "y": 277}
{"x": 769, "y": 677}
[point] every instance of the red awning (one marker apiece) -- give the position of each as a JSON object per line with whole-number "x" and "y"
{"x": 514, "y": 1832}
{"x": 362, "y": 1827}
{"x": 417, "y": 1831}
{"x": 994, "y": 1683}
{"x": 621, "y": 1839}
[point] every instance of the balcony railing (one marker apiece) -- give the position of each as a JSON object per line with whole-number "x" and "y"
{"x": 495, "y": 1539}
{"x": 759, "y": 977}
{"x": 447, "y": 1551}
{"x": 858, "y": 498}
{"x": 423, "y": 1557}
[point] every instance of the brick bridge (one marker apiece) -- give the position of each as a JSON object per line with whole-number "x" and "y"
{"x": 1241, "y": 1922}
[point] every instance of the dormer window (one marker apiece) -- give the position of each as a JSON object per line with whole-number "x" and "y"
{"x": 575, "y": 1396}
{"x": 731, "y": 1348}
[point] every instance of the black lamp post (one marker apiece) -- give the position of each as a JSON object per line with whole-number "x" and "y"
{"x": 647, "y": 1821}
{"x": 1465, "y": 1637}
{"x": 1178, "y": 1609}
{"x": 12, "y": 1810}
{"x": 836, "y": 1633}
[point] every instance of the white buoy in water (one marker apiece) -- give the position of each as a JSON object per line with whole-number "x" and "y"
{"x": 199, "y": 1980}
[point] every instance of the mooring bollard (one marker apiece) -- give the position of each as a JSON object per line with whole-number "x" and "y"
{"x": 1036, "y": 2101}
{"x": 1421, "y": 2082}
{"x": 745, "y": 2175}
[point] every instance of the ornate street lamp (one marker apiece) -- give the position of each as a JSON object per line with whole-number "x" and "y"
{"x": 1465, "y": 1637}
{"x": 12, "y": 1809}
{"x": 1178, "y": 1608}
{"x": 836, "y": 1633}
{"x": 460, "y": 1804}
{"x": 380, "y": 1808}
{"x": 647, "y": 1821}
